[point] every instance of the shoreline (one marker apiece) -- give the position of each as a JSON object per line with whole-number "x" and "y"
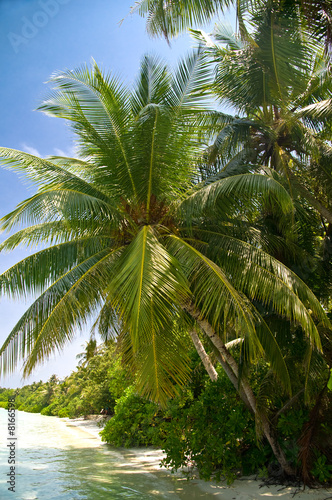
{"x": 148, "y": 459}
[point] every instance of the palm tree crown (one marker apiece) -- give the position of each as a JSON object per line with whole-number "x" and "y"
{"x": 131, "y": 236}
{"x": 278, "y": 81}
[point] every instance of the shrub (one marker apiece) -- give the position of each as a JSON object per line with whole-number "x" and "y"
{"x": 135, "y": 422}
{"x": 322, "y": 470}
{"x": 217, "y": 434}
{"x": 51, "y": 410}
{"x": 212, "y": 430}
{"x": 63, "y": 412}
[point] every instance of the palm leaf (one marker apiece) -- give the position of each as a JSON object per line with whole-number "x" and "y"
{"x": 235, "y": 190}
{"x": 146, "y": 272}
{"x": 98, "y": 107}
{"x": 39, "y": 270}
{"x": 42, "y": 171}
{"x": 50, "y": 321}
{"x": 222, "y": 304}
{"x": 264, "y": 278}
{"x": 170, "y": 19}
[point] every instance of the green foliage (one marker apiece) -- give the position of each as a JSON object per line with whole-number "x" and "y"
{"x": 329, "y": 384}
{"x": 64, "y": 412}
{"x": 322, "y": 470}
{"x": 85, "y": 391}
{"x": 290, "y": 424}
{"x": 52, "y": 409}
{"x": 168, "y": 19}
{"x": 206, "y": 428}
{"x": 214, "y": 432}
{"x": 135, "y": 422}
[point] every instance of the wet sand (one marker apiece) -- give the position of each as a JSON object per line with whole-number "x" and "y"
{"x": 148, "y": 459}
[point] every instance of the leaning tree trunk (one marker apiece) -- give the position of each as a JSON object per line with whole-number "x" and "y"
{"x": 212, "y": 371}
{"x": 231, "y": 369}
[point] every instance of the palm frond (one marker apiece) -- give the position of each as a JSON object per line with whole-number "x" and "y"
{"x": 146, "y": 272}
{"x": 262, "y": 277}
{"x": 51, "y": 206}
{"x": 49, "y": 323}
{"x": 235, "y": 190}
{"x": 41, "y": 171}
{"x": 52, "y": 233}
{"x": 321, "y": 110}
{"x": 170, "y": 19}
{"x": 98, "y": 108}
{"x": 190, "y": 82}
{"x": 39, "y": 270}
{"x": 161, "y": 365}
{"x": 152, "y": 85}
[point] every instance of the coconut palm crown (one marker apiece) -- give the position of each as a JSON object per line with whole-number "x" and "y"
{"x": 279, "y": 83}
{"x": 129, "y": 235}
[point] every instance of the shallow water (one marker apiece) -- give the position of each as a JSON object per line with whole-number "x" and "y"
{"x": 53, "y": 462}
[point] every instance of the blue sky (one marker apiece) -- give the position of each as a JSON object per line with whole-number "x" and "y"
{"x": 37, "y": 38}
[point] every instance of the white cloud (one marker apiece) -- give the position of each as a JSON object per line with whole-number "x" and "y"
{"x": 70, "y": 152}
{"x": 31, "y": 150}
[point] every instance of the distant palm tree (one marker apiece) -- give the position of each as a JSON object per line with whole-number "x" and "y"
{"x": 90, "y": 351}
{"x": 134, "y": 237}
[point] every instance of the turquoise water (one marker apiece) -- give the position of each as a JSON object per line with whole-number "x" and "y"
{"x": 53, "y": 463}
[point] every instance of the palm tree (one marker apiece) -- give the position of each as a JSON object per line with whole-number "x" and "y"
{"x": 279, "y": 84}
{"x": 169, "y": 18}
{"x": 132, "y": 236}
{"x": 91, "y": 349}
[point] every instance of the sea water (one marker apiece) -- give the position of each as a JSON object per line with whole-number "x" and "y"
{"x": 53, "y": 463}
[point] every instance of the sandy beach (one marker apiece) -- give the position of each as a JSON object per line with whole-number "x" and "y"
{"x": 87, "y": 432}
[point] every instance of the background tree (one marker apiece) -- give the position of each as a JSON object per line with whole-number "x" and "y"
{"x": 90, "y": 351}
{"x": 171, "y": 18}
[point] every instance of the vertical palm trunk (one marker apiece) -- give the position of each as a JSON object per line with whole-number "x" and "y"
{"x": 231, "y": 368}
{"x": 204, "y": 356}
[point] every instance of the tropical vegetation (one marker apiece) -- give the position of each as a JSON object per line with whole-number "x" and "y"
{"x": 206, "y": 429}
{"x": 181, "y": 226}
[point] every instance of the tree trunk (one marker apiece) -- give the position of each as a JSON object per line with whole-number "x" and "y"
{"x": 204, "y": 356}
{"x": 231, "y": 369}
{"x": 235, "y": 381}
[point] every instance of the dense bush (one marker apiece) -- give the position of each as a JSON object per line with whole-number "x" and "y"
{"x": 64, "y": 412}
{"x": 135, "y": 422}
{"x": 217, "y": 434}
{"x": 212, "y": 431}
{"x": 52, "y": 409}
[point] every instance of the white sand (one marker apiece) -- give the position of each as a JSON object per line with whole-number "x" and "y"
{"x": 148, "y": 459}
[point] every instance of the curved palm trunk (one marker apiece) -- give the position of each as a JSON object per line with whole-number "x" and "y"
{"x": 231, "y": 369}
